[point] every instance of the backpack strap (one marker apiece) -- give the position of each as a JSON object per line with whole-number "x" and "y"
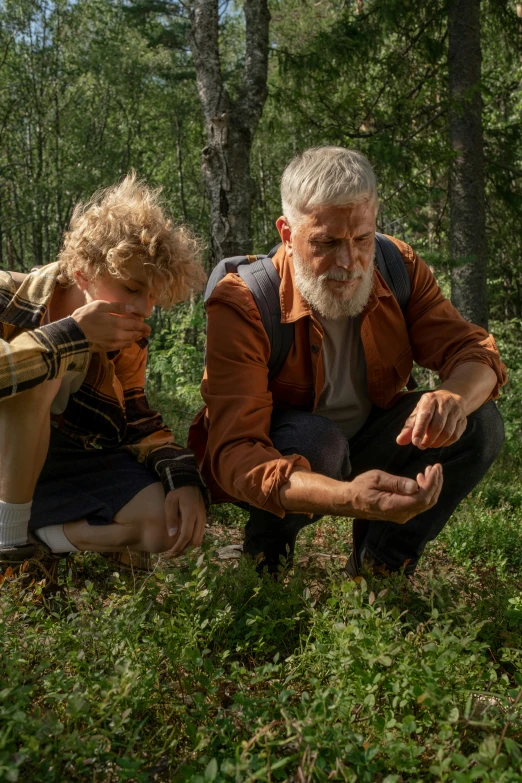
{"x": 264, "y": 282}
{"x": 262, "y": 278}
{"x": 390, "y": 264}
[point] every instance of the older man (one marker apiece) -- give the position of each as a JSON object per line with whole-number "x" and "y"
{"x": 335, "y": 432}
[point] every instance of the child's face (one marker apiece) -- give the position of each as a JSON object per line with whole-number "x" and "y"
{"x": 134, "y": 289}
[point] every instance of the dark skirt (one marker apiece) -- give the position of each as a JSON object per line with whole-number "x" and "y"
{"x": 91, "y": 484}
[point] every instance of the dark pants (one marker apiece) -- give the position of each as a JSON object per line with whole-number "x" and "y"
{"x": 374, "y": 447}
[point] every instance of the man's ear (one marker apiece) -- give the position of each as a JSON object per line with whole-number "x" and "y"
{"x": 285, "y": 233}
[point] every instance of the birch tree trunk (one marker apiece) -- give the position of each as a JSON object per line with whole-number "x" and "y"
{"x": 230, "y": 124}
{"x": 467, "y": 197}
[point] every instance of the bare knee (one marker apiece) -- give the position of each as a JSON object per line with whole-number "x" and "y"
{"x": 144, "y": 519}
{"x": 154, "y": 536}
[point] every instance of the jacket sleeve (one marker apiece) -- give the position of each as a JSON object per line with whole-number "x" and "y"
{"x": 243, "y": 459}
{"x": 28, "y": 358}
{"x": 440, "y": 338}
{"x": 147, "y": 437}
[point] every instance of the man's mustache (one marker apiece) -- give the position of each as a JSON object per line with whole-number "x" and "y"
{"x": 341, "y": 275}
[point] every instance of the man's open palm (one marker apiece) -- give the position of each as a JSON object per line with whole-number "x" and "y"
{"x": 379, "y": 495}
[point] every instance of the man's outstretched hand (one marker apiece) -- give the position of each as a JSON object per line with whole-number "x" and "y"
{"x": 438, "y": 420}
{"x": 379, "y": 495}
{"x": 372, "y": 495}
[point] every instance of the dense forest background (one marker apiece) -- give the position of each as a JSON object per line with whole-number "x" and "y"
{"x": 91, "y": 88}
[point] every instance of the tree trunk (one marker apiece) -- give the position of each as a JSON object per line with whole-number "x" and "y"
{"x": 467, "y": 199}
{"x": 230, "y": 124}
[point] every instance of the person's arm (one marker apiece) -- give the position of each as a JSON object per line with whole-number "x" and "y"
{"x": 45, "y": 353}
{"x": 463, "y": 354}
{"x": 440, "y": 417}
{"x": 440, "y": 338}
{"x": 152, "y": 443}
{"x": 372, "y": 495}
{"x": 48, "y": 352}
{"x": 235, "y": 388}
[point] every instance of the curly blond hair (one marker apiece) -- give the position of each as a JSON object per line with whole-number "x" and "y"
{"x": 127, "y": 221}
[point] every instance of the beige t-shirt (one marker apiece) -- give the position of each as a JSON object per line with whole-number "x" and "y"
{"x": 344, "y": 398}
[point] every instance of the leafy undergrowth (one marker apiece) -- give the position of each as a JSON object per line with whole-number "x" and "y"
{"x": 204, "y": 672}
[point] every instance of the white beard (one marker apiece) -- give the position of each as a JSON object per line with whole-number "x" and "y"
{"x": 331, "y": 306}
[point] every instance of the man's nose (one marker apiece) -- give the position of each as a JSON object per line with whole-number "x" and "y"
{"x": 345, "y": 256}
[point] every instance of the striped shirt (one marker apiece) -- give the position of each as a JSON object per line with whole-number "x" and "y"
{"x": 110, "y": 409}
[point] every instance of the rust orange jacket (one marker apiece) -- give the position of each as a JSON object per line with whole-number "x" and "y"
{"x": 230, "y": 435}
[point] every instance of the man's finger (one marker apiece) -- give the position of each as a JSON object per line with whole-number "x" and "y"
{"x": 398, "y": 485}
{"x": 437, "y": 425}
{"x": 431, "y": 483}
{"x": 451, "y": 433}
{"x": 422, "y": 420}
{"x": 404, "y": 437}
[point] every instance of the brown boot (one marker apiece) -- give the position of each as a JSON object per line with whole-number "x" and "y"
{"x": 34, "y": 559}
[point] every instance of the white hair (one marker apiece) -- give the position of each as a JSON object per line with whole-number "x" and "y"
{"x": 326, "y": 176}
{"x": 314, "y": 289}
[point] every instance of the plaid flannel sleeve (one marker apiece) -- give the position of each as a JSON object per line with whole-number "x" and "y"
{"x": 30, "y": 357}
{"x": 147, "y": 437}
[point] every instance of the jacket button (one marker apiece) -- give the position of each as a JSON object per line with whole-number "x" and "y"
{"x": 315, "y": 348}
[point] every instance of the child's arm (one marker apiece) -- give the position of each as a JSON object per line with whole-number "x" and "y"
{"x": 152, "y": 442}
{"x": 31, "y": 357}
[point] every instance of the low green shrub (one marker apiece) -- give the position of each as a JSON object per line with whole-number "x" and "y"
{"x": 209, "y": 673}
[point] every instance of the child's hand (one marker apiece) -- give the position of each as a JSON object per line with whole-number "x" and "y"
{"x": 110, "y": 326}
{"x": 186, "y": 518}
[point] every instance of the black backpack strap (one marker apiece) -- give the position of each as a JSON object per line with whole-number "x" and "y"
{"x": 221, "y": 270}
{"x": 392, "y": 268}
{"x": 264, "y": 282}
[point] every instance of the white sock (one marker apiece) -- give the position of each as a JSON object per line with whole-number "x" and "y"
{"x": 14, "y": 521}
{"x": 55, "y": 539}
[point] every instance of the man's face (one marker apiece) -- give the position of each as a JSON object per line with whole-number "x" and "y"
{"x": 333, "y": 250}
{"x": 134, "y": 290}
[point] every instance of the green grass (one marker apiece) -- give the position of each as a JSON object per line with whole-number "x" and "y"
{"x": 203, "y": 672}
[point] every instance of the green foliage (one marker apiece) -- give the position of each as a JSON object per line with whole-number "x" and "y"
{"x": 176, "y": 362}
{"x": 83, "y": 98}
{"x": 177, "y": 346}
{"x": 205, "y": 673}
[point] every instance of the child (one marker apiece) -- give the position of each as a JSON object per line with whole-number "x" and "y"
{"x": 85, "y": 464}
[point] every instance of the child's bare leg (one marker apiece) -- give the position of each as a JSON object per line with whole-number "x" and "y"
{"x": 24, "y": 435}
{"x": 140, "y": 525}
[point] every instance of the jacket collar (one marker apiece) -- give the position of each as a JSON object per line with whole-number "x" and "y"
{"x": 294, "y": 307}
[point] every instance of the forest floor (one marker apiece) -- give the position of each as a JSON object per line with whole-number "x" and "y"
{"x": 202, "y": 671}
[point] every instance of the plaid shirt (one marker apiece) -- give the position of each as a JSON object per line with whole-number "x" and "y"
{"x": 110, "y": 408}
